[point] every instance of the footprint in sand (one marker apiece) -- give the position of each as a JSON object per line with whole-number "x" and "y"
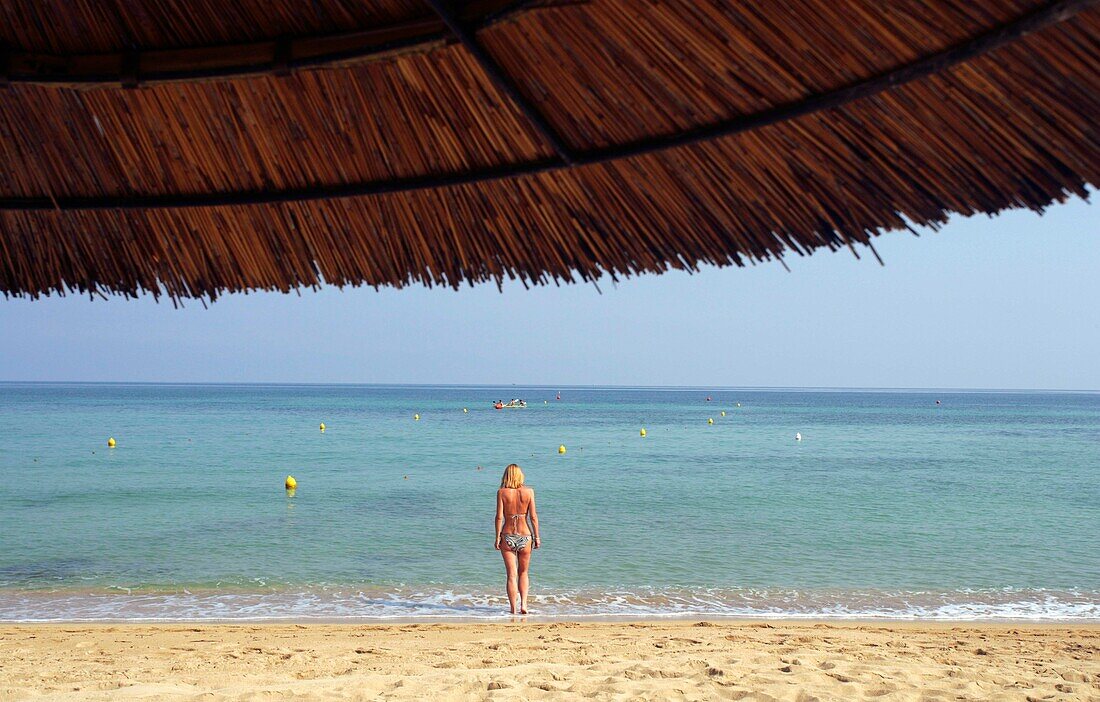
{"x": 841, "y": 677}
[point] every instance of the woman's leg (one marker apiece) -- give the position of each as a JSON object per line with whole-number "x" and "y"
{"x": 510, "y": 567}
{"x": 524, "y": 582}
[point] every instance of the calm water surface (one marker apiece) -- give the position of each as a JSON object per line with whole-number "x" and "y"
{"x": 985, "y": 506}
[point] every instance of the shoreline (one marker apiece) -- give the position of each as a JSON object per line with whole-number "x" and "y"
{"x": 690, "y": 659}
{"x": 593, "y": 619}
{"x": 440, "y": 603}
{"x": 538, "y": 622}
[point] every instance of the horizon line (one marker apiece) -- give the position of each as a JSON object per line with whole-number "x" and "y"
{"x": 701, "y": 388}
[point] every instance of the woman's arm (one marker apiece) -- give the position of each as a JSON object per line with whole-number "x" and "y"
{"x": 534, "y": 520}
{"x": 499, "y": 520}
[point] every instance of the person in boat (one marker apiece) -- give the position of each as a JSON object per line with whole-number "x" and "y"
{"x": 517, "y": 534}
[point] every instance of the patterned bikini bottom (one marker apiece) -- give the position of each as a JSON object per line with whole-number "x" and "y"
{"x": 516, "y": 542}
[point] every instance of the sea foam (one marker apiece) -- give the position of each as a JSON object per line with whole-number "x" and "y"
{"x": 443, "y": 603}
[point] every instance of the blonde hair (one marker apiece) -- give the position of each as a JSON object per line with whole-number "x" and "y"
{"x": 513, "y": 477}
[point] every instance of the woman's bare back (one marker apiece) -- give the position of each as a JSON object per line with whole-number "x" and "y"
{"x": 517, "y": 502}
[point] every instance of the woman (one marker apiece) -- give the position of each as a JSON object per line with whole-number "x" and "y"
{"x": 514, "y": 540}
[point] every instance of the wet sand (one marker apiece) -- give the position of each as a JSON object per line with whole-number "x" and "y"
{"x": 655, "y": 660}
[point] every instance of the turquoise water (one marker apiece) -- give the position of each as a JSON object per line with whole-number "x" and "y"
{"x": 984, "y": 506}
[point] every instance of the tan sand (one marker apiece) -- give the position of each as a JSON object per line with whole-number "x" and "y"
{"x": 620, "y": 661}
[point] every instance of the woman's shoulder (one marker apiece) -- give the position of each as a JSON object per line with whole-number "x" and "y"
{"x": 527, "y": 490}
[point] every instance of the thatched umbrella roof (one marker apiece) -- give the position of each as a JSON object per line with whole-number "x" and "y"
{"x": 196, "y": 147}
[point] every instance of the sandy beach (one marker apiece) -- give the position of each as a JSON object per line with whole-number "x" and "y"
{"x": 562, "y": 660}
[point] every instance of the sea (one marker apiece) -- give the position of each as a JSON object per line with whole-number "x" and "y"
{"x": 926, "y": 505}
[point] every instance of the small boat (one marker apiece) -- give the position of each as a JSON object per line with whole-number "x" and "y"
{"x": 511, "y": 404}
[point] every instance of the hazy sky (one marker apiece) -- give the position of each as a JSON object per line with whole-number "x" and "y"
{"x": 1009, "y": 302}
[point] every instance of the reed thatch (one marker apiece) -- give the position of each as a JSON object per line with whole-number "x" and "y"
{"x": 189, "y": 148}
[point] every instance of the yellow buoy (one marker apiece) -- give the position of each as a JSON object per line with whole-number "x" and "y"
{"x": 416, "y": 417}
{"x": 710, "y": 420}
{"x": 561, "y": 449}
{"x": 464, "y": 410}
{"x": 111, "y": 442}
{"x": 322, "y": 426}
{"x": 290, "y": 483}
{"x": 642, "y": 432}
{"x": 723, "y": 413}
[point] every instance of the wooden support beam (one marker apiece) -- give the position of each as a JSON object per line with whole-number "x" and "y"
{"x": 128, "y": 75}
{"x": 284, "y": 54}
